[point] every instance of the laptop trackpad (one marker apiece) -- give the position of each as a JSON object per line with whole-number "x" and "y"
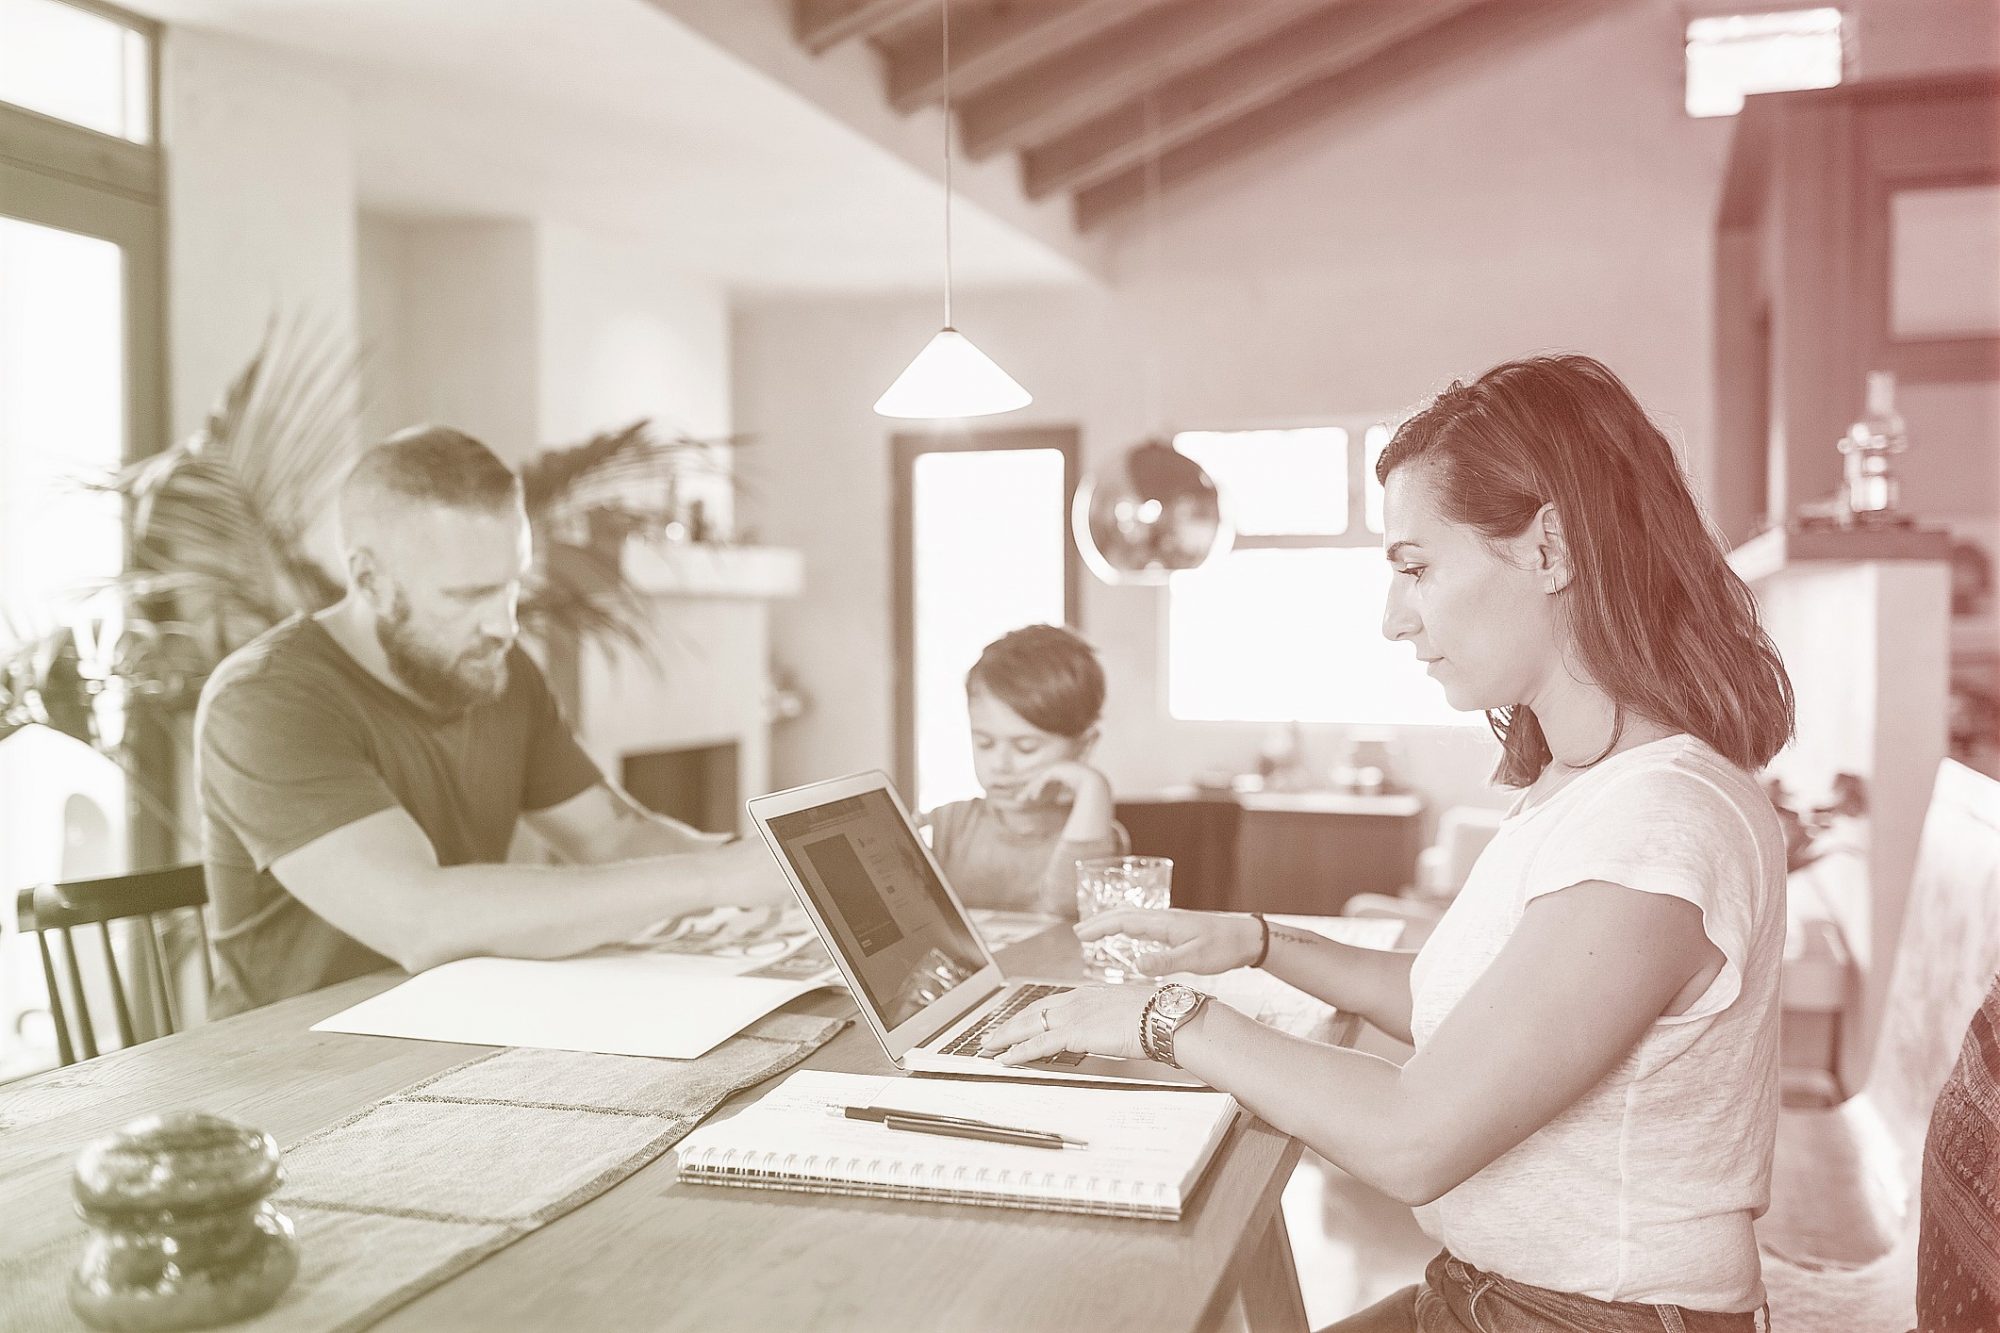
{"x": 1132, "y": 1071}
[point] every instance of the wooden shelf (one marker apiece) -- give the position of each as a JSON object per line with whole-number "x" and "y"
{"x": 1779, "y": 549}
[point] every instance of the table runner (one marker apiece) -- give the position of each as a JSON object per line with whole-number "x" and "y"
{"x": 426, "y": 1182}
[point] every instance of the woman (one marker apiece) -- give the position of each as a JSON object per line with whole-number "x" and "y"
{"x": 1587, "y": 1122}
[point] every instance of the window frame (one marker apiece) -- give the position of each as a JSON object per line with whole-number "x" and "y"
{"x": 58, "y": 147}
{"x": 1358, "y": 534}
{"x": 57, "y": 174}
{"x": 1357, "y": 426}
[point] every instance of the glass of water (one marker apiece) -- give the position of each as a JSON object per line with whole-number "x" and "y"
{"x": 1107, "y": 882}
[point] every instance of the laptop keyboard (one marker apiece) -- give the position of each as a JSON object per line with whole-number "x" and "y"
{"x": 967, "y": 1042}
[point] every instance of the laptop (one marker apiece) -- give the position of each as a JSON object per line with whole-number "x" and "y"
{"x": 921, "y": 973}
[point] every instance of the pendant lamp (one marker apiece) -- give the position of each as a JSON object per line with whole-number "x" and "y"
{"x": 950, "y": 377}
{"x": 1157, "y": 512}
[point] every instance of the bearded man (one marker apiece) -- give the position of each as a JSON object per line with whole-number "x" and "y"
{"x": 362, "y": 770}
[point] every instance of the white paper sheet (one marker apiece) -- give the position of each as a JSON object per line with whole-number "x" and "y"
{"x": 615, "y": 1004}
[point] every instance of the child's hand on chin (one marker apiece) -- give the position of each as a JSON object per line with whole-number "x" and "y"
{"x": 1062, "y": 784}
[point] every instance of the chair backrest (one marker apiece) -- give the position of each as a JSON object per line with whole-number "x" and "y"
{"x": 1462, "y": 834}
{"x": 140, "y": 971}
{"x": 1946, "y": 959}
{"x": 1958, "y": 1261}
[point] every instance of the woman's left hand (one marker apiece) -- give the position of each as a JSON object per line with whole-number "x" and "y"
{"x": 1091, "y": 1020}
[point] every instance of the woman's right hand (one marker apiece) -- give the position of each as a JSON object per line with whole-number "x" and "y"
{"x": 1205, "y": 942}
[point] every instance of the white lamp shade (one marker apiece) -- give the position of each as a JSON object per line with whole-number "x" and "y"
{"x": 952, "y": 378}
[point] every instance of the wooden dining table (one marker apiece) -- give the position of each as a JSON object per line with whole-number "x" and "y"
{"x": 653, "y": 1253}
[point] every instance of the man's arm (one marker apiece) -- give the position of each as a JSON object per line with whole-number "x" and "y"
{"x": 378, "y": 880}
{"x": 602, "y": 823}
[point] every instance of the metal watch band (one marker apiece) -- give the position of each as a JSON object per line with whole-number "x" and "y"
{"x": 1157, "y": 1030}
{"x": 1146, "y": 1027}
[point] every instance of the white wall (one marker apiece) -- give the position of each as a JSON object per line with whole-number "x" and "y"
{"x": 260, "y": 198}
{"x": 1876, "y": 712}
{"x": 530, "y": 334}
{"x": 1896, "y": 39}
{"x": 452, "y": 331}
{"x": 623, "y": 333}
{"x": 1556, "y": 197}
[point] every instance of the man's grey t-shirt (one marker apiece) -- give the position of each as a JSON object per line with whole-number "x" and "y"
{"x": 295, "y": 739}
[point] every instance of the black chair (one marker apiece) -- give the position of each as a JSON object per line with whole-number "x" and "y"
{"x": 60, "y": 909}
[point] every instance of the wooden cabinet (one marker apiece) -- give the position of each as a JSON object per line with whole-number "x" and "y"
{"x": 1305, "y": 852}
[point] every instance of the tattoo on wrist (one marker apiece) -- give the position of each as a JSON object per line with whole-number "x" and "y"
{"x": 1291, "y": 936}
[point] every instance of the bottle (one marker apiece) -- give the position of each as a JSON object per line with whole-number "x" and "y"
{"x": 1281, "y": 761}
{"x": 1868, "y": 486}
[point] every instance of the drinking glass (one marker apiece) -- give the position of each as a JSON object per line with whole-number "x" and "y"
{"x": 1107, "y": 882}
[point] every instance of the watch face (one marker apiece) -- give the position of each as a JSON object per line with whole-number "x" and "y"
{"x": 1176, "y": 1001}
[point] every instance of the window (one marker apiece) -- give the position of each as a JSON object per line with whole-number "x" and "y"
{"x": 1288, "y": 625}
{"x": 1729, "y": 56}
{"x": 81, "y": 376}
{"x": 77, "y": 64}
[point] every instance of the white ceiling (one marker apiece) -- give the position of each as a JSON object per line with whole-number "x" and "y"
{"x": 613, "y": 115}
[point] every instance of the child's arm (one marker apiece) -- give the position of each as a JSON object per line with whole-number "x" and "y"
{"x": 1089, "y": 831}
{"x": 1090, "y": 811}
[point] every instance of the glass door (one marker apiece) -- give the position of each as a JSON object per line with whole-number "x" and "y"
{"x": 79, "y": 396}
{"x": 983, "y": 547}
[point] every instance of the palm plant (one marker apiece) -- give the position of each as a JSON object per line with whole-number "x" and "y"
{"x": 223, "y": 529}
{"x": 219, "y": 528}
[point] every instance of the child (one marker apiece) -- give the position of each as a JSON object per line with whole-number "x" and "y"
{"x": 1034, "y": 697}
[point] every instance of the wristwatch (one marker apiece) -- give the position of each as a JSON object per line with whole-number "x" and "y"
{"x": 1172, "y": 1006}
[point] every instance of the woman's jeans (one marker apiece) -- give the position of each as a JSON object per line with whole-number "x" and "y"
{"x": 1455, "y": 1297}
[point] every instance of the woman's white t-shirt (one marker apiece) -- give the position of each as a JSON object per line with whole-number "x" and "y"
{"x": 1645, "y": 1188}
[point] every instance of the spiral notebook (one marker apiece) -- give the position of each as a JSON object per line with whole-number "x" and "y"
{"x": 1142, "y": 1152}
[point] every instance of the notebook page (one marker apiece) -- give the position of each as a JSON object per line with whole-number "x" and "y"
{"x": 1158, "y": 1139}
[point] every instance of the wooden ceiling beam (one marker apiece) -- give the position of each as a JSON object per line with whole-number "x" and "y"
{"x": 821, "y": 25}
{"x": 1482, "y": 32}
{"x": 1086, "y": 80}
{"x": 996, "y": 42}
{"x": 1316, "y": 47}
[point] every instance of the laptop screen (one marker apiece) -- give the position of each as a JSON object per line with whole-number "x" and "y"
{"x": 900, "y": 931}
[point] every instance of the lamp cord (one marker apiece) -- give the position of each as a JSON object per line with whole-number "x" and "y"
{"x": 945, "y": 7}
{"x": 1155, "y": 382}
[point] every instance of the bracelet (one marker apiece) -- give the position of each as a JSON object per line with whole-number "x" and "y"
{"x": 1264, "y": 949}
{"x": 1145, "y": 1027}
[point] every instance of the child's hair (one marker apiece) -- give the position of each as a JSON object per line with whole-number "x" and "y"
{"x": 1047, "y": 674}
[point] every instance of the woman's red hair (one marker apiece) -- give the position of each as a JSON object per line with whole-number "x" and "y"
{"x": 1660, "y": 621}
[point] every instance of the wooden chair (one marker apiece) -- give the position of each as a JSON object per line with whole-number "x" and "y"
{"x": 1840, "y": 1237}
{"x": 139, "y": 972}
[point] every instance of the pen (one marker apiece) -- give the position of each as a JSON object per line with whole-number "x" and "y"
{"x": 952, "y": 1126}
